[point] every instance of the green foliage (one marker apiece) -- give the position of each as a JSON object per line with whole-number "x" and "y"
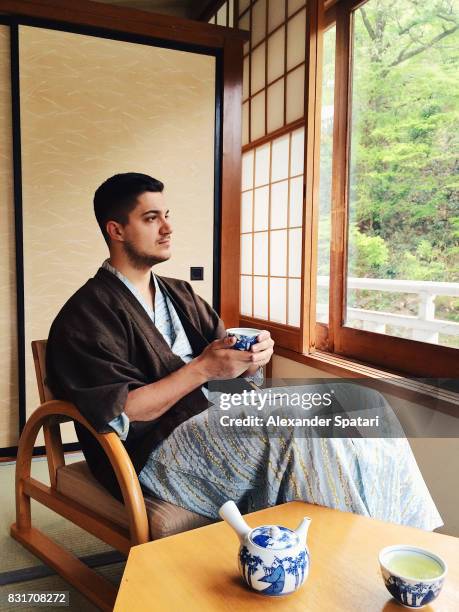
{"x": 404, "y": 183}
{"x": 367, "y": 255}
{"x": 404, "y": 151}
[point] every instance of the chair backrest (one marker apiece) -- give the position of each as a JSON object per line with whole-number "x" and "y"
{"x": 39, "y": 359}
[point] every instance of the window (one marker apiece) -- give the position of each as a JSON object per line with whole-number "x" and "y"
{"x": 394, "y": 272}
{"x": 371, "y": 271}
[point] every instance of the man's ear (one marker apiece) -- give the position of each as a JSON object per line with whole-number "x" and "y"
{"x": 115, "y": 230}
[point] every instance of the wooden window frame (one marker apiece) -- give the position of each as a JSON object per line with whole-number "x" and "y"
{"x": 412, "y": 357}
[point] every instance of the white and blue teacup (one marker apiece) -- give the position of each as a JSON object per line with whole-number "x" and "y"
{"x": 245, "y": 337}
{"x": 413, "y": 576}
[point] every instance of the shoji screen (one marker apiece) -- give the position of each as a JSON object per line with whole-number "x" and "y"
{"x": 90, "y": 108}
{"x": 271, "y": 220}
{"x": 273, "y": 93}
{"x": 273, "y": 160}
{"x": 9, "y": 411}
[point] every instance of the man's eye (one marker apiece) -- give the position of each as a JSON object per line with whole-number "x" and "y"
{"x": 151, "y": 218}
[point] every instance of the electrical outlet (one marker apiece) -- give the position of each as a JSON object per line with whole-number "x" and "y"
{"x": 196, "y": 273}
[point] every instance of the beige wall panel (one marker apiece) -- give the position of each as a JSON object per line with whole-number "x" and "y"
{"x": 437, "y": 458}
{"x": 91, "y": 108}
{"x": 9, "y": 409}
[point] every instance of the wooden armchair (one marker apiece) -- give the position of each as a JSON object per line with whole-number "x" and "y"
{"x": 75, "y": 494}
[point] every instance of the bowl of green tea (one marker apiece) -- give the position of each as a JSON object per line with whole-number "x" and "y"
{"x": 413, "y": 576}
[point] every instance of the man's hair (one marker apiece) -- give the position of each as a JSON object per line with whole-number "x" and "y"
{"x": 117, "y": 197}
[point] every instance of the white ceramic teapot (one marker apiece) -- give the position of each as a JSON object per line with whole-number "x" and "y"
{"x": 273, "y": 560}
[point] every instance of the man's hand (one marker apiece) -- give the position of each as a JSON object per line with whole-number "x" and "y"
{"x": 261, "y": 352}
{"x": 219, "y": 361}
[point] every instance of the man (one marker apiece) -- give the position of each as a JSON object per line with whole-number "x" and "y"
{"x": 106, "y": 354}
{"x": 134, "y": 352}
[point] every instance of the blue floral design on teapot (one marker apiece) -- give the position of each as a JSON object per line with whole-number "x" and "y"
{"x": 273, "y": 560}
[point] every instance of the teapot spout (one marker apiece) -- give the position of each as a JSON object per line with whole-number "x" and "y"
{"x": 230, "y": 513}
{"x": 302, "y": 529}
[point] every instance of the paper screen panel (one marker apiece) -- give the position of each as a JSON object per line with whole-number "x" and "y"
{"x": 294, "y": 252}
{"x": 245, "y": 123}
{"x": 221, "y": 16}
{"x": 246, "y": 295}
{"x": 258, "y": 69}
{"x": 258, "y": 21}
{"x": 297, "y": 152}
{"x": 295, "y": 94}
{"x": 243, "y": 5}
{"x": 247, "y": 170}
{"x": 279, "y": 205}
{"x": 278, "y": 253}
{"x": 280, "y": 157}
{"x": 260, "y": 253}
{"x": 276, "y": 53}
{"x": 260, "y": 292}
{"x": 257, "y": 116}
{"x": 294, "y": 5}
{"x": 296, "y": 29}
{"x": 231, "y": 13}
{"x": 247, "y": 211}
{"x": 245, "y": 78}
{"x": 278, "y": 300}
{"x": 276, "y": 14}
{"x": 276, "y": 105}
{"x": 80, "y": 124}
{"x": 244, "y": 24}
{"x": 261, "y": 209}
{"x": 246, "y": 254}
{"x": 262, "y": 162}
{"x": 294, "y": 293}
{"x": 9, "y": 405}
{"x": 296, "y": 202}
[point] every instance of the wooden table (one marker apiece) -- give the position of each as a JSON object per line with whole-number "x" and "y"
{"x": 197, "y": 570}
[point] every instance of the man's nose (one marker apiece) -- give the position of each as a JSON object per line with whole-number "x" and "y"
{"x": 166, "y": 227}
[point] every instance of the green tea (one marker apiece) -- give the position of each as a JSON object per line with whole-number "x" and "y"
{"x": 414, "y": 565}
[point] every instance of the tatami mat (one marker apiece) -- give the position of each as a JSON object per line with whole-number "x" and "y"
{"x": 16, "y": 557}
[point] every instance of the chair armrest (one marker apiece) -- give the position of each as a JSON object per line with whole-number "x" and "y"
{"x": 57, "y": 411}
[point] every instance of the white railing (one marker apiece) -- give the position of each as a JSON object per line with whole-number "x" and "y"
{"x": 423, "y": 327}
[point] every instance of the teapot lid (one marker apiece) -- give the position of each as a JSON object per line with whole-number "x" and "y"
{"x": 273, "y": 537}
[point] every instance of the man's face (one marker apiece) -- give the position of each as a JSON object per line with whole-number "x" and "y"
{"x": 147, "y": 235}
